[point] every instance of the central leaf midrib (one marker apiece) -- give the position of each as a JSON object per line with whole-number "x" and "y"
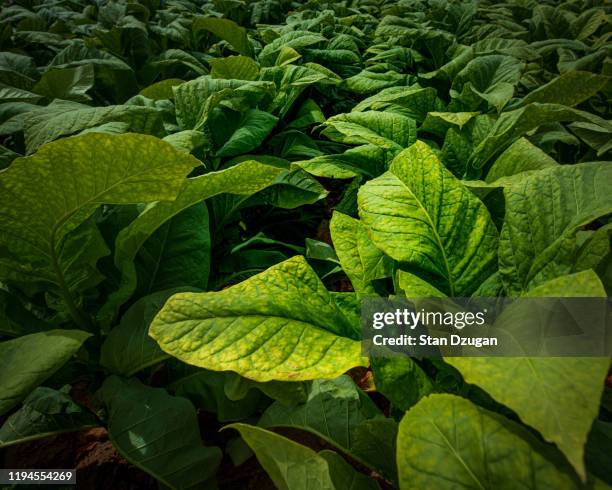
{"x": 457, "y": 455}
{"x": 435, "y": 234}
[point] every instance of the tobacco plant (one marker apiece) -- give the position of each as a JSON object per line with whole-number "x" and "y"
{"x": 196, "y": 196}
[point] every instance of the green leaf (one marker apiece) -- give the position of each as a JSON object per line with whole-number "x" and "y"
{"x": 285, "y": 392}
{"x": 188, "y": 140}
{"x": 491, "y": 77}
{"x": 513, "y": 124}
{"x": 570, "y": 89}
{"x": 177, "y": 254}
{"x": 440, "y": 122}
{"x": 27, "y": 361}
{"x": 309, "y": 113}
{"x": 196, "y": 99}
{"x": 234, "y": 67}
{"x": 521, "y": 156}
{"x": 594, "y": 249}
{"x": 400, "y": 380}
{"x": 598, "y": 448}
{"x": 161, "y": 90}
{"x": 228, "y": 30}
{"x": 280, "y": 324}
{"x": 294, "y": 80}
{"x": 128, "y": 347}
{"x": 333, "y": 410}
{"x": 569, "y": 389}
{"x": 66, "y": 83}
{"x": 447, "y": 442}
{"x": 415, "y": 287}
{"x": 289, "y": 190}
{"x": 361, "y": 260}
{"x": 15, "y": 317}
{"x": 245, "y": 178}
{"x": 387, "y": 130}
{"x": 296, "y": 40}
{"x": 416, "y": 102}
{"x": 368, "y": 160}
{"x": 597, "y": 136}
{"x": 45, "y": 412}
{"x": 254, "y": 126}
{"x": 62, "y": 118}
{"x": 172, "y": 58}
{"x": 12, "y": 94}
{"x": 287, "y": 55}
{"x": 374, "y": 440}
{"x": 17, "y": 70}
{"x": 76, "y": 175}
{"x": 543, "y": 214}
{"x": 112, "y": 74}
{"x": 344, "y": 476}
{"x": 208, "y": 391}
{"x": 158, "y": 433}
{"x": 293, "y": 466}
{"x": 420, "y": 214}
{"x": 367, "y": 82}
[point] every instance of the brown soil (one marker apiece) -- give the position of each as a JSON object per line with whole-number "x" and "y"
{"x": 96, "y": 461}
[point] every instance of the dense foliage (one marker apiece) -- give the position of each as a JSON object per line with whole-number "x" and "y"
{"x": 195, "y": 196}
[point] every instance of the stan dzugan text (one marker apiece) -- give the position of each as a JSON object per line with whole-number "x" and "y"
{"x": 410, "y": 319}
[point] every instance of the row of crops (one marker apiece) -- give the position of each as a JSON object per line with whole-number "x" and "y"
{"x": 195, "y": 196}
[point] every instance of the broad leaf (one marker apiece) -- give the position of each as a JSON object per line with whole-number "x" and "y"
{"x": 420, "y": 214}
{"x": 228, "y": 30}
{"x": 521, "y": 156}
{"x": 128, "y": 347}
{"x": 384, "y": 129}
{"x": 400, "y": 380}
{"x": 76, "y": 175}
{"x": 543, "y": 213}
{"x": 245, "y": 178}
{"x": 28, "y": 361}
{"x": 162, "y": 89}
{"x": 67, "y": 83}
{"x": 291, "y": 465}
{"x": 490, "y": 77}
{"x": 513, "y": 124}
{"x": 296, "y": 40}
{"x": 447, "y": 442}
{"x": 361, "y": 260}
{"x": 196, "y": 99}
{"x": 234, "y": 67}
{"x": 569, "y": 89}
{"x": 414, "y": 286}
{"x": 208, "y": 391}
{"x": 415, "y": 102}
{"x": 64, "y": 119}
{"x": 333, "y": 411}
{"x": 45, "y": 412}
{"x": 280, "y": 324}
{"x": 16, "y": 319}
{"x": 158, "y": 433}
{"x": 569, "y": 389}
{"x": 177, "y": 254}
{"x": 368, "y": 160}
{"x": 367, "y": 82}
{"x": 252, "y": 128}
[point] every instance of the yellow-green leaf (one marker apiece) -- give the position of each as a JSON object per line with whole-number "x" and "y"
{"x": 568, "y": 389}
{"x": 280, "y": 324}
{"x": 418, "y": 213}
{"x": 447, "y": 442}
